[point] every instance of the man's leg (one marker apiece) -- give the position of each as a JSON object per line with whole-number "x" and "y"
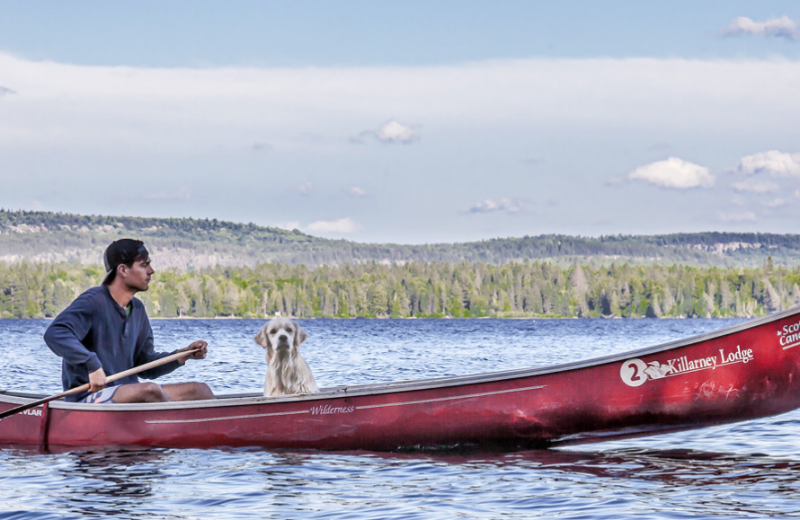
{"x": 140, "y": 393}
{"x": 188, "y": 392}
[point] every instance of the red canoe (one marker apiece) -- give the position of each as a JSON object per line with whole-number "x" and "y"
{"x": 743, "y": 372}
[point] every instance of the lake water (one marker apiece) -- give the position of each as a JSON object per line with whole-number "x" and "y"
{"x": 746, "y": 470}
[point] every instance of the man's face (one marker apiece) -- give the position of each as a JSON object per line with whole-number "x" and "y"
{"x": 137, "y": 277}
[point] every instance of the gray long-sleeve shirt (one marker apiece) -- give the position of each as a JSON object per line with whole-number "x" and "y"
{"x": 95, "y": 332}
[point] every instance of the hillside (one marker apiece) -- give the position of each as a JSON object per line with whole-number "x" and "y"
{"x": 43, "y": 237}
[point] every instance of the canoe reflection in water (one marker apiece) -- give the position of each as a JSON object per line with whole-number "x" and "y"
{"x": 133, "y": 472}
{"x": 240, "y": 482}
{"x": 116, "y": 473}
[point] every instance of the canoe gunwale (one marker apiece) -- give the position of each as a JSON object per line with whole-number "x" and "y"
{"x": 245, "y": 399}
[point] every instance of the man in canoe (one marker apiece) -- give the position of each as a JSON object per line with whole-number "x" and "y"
{"x": 106, "y": 331}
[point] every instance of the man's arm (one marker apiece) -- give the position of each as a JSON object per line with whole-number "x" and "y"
{"x": 65, "y": 334}
{"x": 202, "y": 350}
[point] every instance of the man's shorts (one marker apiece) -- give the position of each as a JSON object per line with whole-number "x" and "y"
{"x": 104, "y": 396}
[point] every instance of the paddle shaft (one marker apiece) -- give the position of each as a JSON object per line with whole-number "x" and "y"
{"x": 113, "y": 377}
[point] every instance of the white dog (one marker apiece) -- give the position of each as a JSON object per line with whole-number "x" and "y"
{"x": 287, "y": 371}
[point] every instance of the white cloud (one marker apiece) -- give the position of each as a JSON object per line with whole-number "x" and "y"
{"x": 755, "y": 186}
{"x": 742, "y": 216}
{"x": 491, "y": 206}
{"x": 775, "y": 203}
{"x": 674, "y": 173}
{"x": 306, "y": 188}
{"x": 776, "y": 163}
{"x": 391, "y": 132}
{"x": 394, "y": 132}
{"x": 342, "y": 226}
{"x": 783, "y": 27}
{"x": 356, "y": 191}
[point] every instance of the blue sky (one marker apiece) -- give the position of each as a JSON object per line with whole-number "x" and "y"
{"x": 407, "y": 122}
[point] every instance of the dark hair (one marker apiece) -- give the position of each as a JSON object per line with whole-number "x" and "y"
{"x": 123, "y": 252}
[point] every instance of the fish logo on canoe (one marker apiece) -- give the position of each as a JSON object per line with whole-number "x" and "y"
{"x": 635, "y": 372}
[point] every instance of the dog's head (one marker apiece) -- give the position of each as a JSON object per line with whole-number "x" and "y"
{"x": 281, "y": 336}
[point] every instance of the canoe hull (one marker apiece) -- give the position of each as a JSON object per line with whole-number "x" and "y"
{"x": 741, "y": 373}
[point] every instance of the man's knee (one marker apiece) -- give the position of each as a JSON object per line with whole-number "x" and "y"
{"x": 203, "y": 391}
{"x": 153, "y": 393}
{"x": 140, "y": 393}
{"x": 189, "y": 392}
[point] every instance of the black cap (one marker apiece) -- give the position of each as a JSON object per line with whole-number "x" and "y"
{"x": 123, "y": 251}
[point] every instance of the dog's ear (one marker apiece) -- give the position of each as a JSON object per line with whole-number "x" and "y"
{"x": 262, "y": 338}
{"x": 299, "y": 334}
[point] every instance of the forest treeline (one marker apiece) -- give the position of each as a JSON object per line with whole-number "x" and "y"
{"x": 414, "y": 289}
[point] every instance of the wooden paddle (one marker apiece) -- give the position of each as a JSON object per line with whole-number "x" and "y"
{"x": 113, "y": 377}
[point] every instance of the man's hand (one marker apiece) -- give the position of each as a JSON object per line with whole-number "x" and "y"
{"x": 97, "y": 380}
{"x": 201, "y": 353}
